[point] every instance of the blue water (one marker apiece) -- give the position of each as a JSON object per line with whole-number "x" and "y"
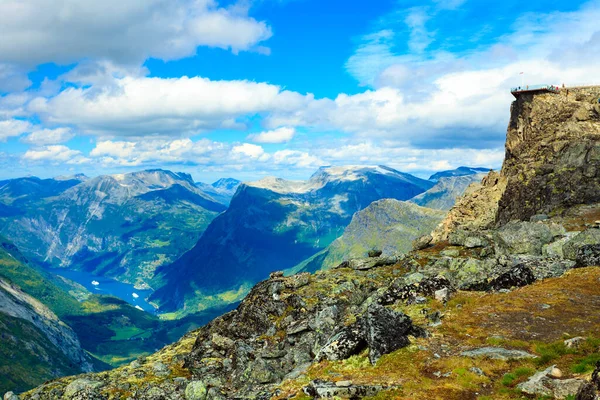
{"x": 108, "y": 286}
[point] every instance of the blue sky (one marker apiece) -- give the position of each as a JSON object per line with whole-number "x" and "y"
{"x": 275, "y": 87}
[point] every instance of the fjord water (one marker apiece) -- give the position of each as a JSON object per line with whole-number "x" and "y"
{"x": 108, "y": 286}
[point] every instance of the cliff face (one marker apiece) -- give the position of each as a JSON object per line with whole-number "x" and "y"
{"x": 552, "y": 162}
{"x": 552, "y": 153}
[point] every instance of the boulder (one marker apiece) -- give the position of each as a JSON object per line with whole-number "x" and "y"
{"x": 81, "y": 385}
{"x": 574, "y": 343}
{"x": 588, "y": 255}
{"x": 408, "y": 292}
{"x": 497, "y": 353}
{"x": 319, "y": 389}
{"x": 521, "y": 237}
{"x": 519, "y": 275}
{"x": 374, "y": 253}
{"x": 544, "y": 384}
{"x": 347, "y": 342}
{"x": 385, "y": 331}
{"x": 196, "y": 390}
{"x": 587, "y": 237}
{"x": 10, "y": 396}
{"x": 362, "y": 264}
{"x": 422, "y": 242}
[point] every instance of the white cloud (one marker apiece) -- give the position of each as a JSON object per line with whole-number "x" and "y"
{"x": 127, "y": 32}
{"x": 138, "y": 106}
{"x": 280, "y": 135}
{"x": 55, "y": 154}
{"x": 250, "y": 150}
{"x": 49, "y": 136}
{"x": 12, "y": 127}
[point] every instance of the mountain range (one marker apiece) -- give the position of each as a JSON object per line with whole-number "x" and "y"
{"x": 122, "y": 226}
{"x": 274, "y": 224}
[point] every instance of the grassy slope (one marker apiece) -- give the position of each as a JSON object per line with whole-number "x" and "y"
{"x": 514, "y": 320}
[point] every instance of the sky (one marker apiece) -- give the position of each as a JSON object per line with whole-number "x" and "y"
{"x": 251, "y": 88}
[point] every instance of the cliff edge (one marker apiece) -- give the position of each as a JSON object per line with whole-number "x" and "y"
{"x": 552, "y": 162}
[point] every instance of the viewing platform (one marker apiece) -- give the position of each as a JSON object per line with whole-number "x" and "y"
{"x": 516, "y": 91}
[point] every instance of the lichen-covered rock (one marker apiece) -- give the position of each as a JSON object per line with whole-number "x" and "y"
{"x": 588, "y": 255}
{"x": 406, "y": 289}
{"x": 81, "y": 386}
{"x": 319, "y": 389}
{"x": 518, "y": 237}
{"x": 386, "y": 331}
{"x": 422, "y": 242}
{"x": 347, "y": 342}
{"x": 544, "y": 384}
{"x": 497, "y": 353}
{"x": 587, "y": 237}
{"x": 195, "y": 390}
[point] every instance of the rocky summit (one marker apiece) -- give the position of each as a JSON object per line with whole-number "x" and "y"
{"x": 497, "y": 304}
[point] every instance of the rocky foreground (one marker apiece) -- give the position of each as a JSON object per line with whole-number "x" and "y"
{"x": 499, "y": 303}
{"x": 483, "y": 314}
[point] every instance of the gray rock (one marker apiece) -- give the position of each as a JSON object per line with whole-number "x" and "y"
{"x": 160, "y": 369}
{"x": 422, "y": 242}
{"x": 542, "y": 384}
{"x": 442, "y": 295}
{"x": 81, "y": 385}
{"x": 321, "y": 389}
{"x": 575, "y": 342}
{"x": 497, "y": 353}
{"x": 10, "y": 396}
{"x": 588, "y": 255}
{"x": 587, "y": 237}
{"x": 362, "y": 264}
{"x": 518, "y": 237}
{"x": 386, "y": 331}
{"x": 477, "y": 371}
{"x": 195, "y": 390}
{"x": 347, "y": 342}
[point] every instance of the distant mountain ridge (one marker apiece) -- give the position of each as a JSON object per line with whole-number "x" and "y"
{"x": 121, "y": 225}
{"x": 447, "y": 189}
{"x": 221, "y": 190}
{"x": 275, "y": 223}
{"x": 460, "y": 171}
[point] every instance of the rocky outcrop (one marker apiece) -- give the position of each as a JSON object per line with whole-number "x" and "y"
{"x": 552, "y": 162}
{"x": 476, "y": 209}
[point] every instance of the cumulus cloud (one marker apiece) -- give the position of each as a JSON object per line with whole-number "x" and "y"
{"x": 137, "y": 106}
{"x": 12, "y": 127}
{"x": 250, "y": 150}
{"x": 127, "y": 32}
{"x": 55, "y": 154}
{"x": 280, "y": 135}
{"x": 49, "y": 136}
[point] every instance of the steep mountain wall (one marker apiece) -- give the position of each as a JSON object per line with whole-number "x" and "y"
{"x": 552, "y": 162}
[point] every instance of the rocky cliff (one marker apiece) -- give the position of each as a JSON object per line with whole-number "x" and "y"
{"x": 552, "y": 162}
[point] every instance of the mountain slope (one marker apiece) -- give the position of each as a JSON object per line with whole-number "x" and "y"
{"x": 275, "y": 224}
{"x": 445, "y": 192}
{"x": 36, "y": 345}
{"x": 388, "y": 225}
{"x": 122, "y": 226}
